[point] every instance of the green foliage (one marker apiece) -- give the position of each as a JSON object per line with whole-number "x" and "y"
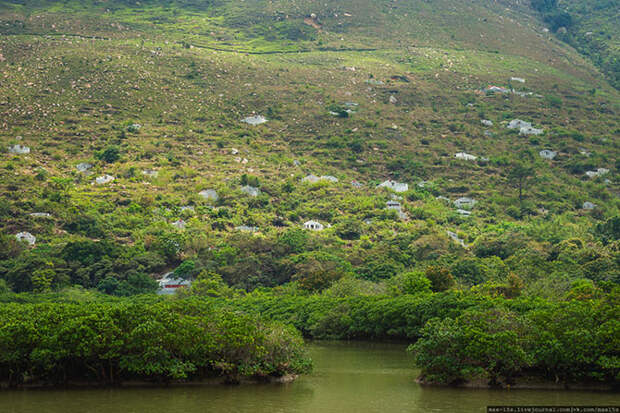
{"x": 315, "y": 271}
{"x": 111, "y": 342}
{"x": 439, "y": 277}
{"x": 560, "y": 342}
{"x": 410, "y": 283}
{"x": 110, "y": 154}
{"x": 186, "y": 270}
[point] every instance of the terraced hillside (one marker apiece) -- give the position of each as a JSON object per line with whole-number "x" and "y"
{"x": 150, "y": 98}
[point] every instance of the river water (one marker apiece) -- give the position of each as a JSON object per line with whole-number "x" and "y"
{"x": 348, "y": 377}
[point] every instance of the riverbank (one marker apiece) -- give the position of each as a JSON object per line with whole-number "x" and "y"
{"x": 529, "y": 383}
{"x": 214, "y": 381}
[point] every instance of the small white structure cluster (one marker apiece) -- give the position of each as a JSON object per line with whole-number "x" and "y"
{"x": 547, "y": 154}
{"x": 83, "y": 167}
{"x": 313, "y": 179}
{"x": 598, "y": 172}
{"x": 19, "y": 149}
{"x": 486, "y": 122}
{"x": 151, "y": 173}
{"x": 394, "y": 186}
{"x": 250, "y": 190}
{"x": 525, "y": 128}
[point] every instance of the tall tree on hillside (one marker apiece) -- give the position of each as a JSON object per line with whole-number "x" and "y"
{"x": 521, "y": 176}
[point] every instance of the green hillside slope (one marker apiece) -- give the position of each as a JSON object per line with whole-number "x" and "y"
{"x": 360, "y": 90}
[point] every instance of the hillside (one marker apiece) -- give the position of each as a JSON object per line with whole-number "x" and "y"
{"x": 153, "y": 94}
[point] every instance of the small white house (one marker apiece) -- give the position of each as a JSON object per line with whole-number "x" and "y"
{"x": 83, "y": 167}
{"x": 486, "y": 122}
{"x": 528, "y": 130}
{"x": 465, "y": 202}
{"x": 40, "y": 215}
{"x": 454, "y": 236}
{"x": 179, "y": 224}
{"x": 496, "y": 89}
{"x": 518, "y": 124}
{"x": 255, "y": 120}
{"x": 104, "y": 179}
{"x": 313, "y": 179}
{"x": 517, "y": 79}
{"x": 169, "y": 284}
{"x": 598, "y": 172}
{"x": 314, "y": 226}
{"x": 465, "y": 156}
{"x": 547, "y": 154}
{"x": 250, "y": 190}
{"x": 329, "y": 178}
{"x": 246, "y": 228}
{"x": 394, "y": 186}
{"x": 395, "y": 206}
{"x": 588, "y": 205}
{"x": 26, "y": 237}
{"x": 19, "y": 149}
{"x": 209, "y": 194}
{"x": 151, "y": 173}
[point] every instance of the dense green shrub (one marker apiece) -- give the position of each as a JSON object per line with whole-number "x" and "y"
{"x": 110, "y": 342}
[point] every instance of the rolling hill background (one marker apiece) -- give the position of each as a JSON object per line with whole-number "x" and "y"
{"x": 153, "y": 94}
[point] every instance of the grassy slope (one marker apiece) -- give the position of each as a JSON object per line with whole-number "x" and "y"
{"x": 70, "y": 96}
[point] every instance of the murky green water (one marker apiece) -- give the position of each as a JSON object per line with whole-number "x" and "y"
{"x": 348, "y": 377}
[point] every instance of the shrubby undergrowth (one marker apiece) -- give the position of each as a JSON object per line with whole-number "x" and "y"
{"x": 108, "y": 342}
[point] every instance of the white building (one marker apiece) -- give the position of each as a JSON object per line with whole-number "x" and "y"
{"x": 394, "y": 186}
{"x": 19, "y": 149}
{"x": 518, "y": 124}
{"x": 598, "y": 172}
{"x": 528, "y": 130}
{"x": 83, "y": 167}
{"x": 104, "y": 179}
{"x": 588, "y": 205}
{"x": 169, "y": 284}
{"x": 465, "y": 156}
{"x": 209, "y": 194}
{"x": 313, "y": 226}
{"x": 314, "y": 179}
{"x": 465, "y": 202}
{"x": 179, "y": 224}
{"x": 255, "y": 120}
{"x": 250, "y": 190}
{"x": 547, "y": 154}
